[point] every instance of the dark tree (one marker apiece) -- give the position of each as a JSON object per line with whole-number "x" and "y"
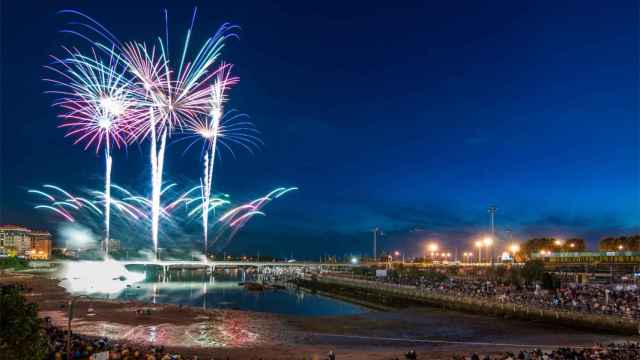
{"x": 21, "y": 333}
{"x": 13, "y": 263}
{"x": 532, "y": 271}
{"x": 535, "y": 245}
{"x": 550, "y": 282}
{"x": 622, "y": 243}
{"x": 574, "y": 244}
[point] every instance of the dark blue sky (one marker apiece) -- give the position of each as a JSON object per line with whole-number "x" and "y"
{"x": 419, "y": 115}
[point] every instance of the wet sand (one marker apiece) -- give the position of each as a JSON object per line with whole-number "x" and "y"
{"x": 433, "y": 333}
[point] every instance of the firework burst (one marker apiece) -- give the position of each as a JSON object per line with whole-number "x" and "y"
{"x": 97, "y": 104}
{"x": 234, "y": 219}
{"x": 174, "y": 96}
{"x": 214, "y": 129}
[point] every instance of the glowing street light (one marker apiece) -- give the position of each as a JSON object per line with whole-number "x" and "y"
{"x": 432, "y": 247}
{"x": 514, "y": 248}
{"x": 620, "y": 247}
{"x": 479, "y": 246}
{"x": 558, "y": 242}
{"x": 397, "y": 253}
{"x": 487, "y": 241}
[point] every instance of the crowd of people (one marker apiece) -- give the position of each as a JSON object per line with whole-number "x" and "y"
{"x": 598, "y": 299}
{"x": 626, "y": 351}
{"x": 84, "y": 348}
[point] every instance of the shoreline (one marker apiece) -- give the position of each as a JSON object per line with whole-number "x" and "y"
{"x": 433, "y": 333}
{"x": 392, "y": 297}
{"x": 351, "y": 300}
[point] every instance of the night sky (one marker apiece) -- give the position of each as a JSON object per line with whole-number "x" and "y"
{"x": 412, "y": 118}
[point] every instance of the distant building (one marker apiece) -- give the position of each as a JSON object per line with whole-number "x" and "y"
{"x": 41, "y": 245}
{"x": 18, "y": 240}
{"x": 15, "y": 240}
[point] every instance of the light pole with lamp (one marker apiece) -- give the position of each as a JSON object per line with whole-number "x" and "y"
{"x": 492, "y": 215}
{"x": 479, "y": 246}
{"x": 432, "y": 247}
{"x": 397, "y": 253}
{"x": 514, "y": 248}
{"x": 70, "y": 305}
{"x": 488, "y": 241}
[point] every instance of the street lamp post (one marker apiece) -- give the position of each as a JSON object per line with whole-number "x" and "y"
{"x": 488, "y": 241}
{"x": 492, "y": 213}
{"x": 514, "y": 249}
{"x": 432, "y": 247}
{"x": 397, "y": 253}
{"x": 375, "y": 239}
{"x": 479, "y": 246}
{"x": 559, "y": 243}
{"x": 70, "y": 305}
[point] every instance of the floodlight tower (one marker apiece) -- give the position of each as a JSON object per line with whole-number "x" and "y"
{"x": 492, "y": 214}
{"x": 375, "y": 239}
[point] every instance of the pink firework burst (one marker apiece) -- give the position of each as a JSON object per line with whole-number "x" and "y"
{"x": 97, "y": 99}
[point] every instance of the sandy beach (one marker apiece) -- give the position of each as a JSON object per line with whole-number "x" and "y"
{"x": 433, "y": 333}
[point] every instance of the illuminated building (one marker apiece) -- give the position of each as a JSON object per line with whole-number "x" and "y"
{"x": 18, "y": 240}
{"x": 41, "y": 245}
{"x": 15, "y": 240}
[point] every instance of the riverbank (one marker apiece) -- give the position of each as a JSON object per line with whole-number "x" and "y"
{"x": 371, "y": 305}
{"x": 433, "y": 333}
{"x": 391, "y": 295}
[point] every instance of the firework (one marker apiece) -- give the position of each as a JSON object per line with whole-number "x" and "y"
{"x": 64, "y": 203}
{"x": 173, "y": 101}
{"x": 96, "y": 103}
{"x": 59, "y": 211}
{"x": 173, "y": 95}
{"x": 208, "y": 130}
{"x": 133, "y": 210}
{"x": 235, "y": 219}
{"x": 218, "y": 128}
{"x": 151, "y": 95}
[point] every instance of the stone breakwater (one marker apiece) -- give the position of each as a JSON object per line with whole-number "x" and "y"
{"x": 393, "y": 295}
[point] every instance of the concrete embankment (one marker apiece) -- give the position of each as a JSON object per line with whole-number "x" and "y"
{"x": 391, "y": 295}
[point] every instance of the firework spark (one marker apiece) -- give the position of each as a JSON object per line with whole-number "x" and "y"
{"x": 141, "y": 93}
{"x": 208, "y": 129}
{"x": 235, "y": 219}
{"x": 63, "y": 203}
{"x": 173, "y": 95}
{"x": 175, "y": 101}
{"x": 97, "y": 103}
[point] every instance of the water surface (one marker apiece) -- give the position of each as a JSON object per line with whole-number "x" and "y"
{"x": 222, "y": 290}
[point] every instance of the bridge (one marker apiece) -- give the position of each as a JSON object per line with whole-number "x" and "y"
{"x": 212, "y": 265}
{"x": 184, "y": 264}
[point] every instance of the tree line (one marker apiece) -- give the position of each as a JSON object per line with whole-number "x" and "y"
{"x": 536, "y": 245}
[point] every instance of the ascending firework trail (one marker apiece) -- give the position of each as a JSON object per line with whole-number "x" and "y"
{"x": 98, "y": 104}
